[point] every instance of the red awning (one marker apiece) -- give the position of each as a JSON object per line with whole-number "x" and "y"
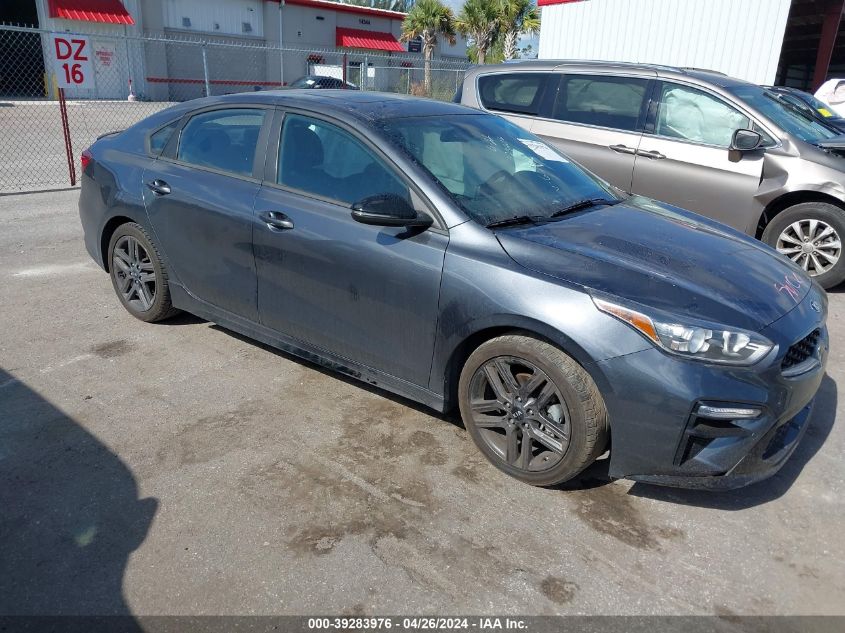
{"x": 109, "y": 11}
{"x": 373, "y": 40}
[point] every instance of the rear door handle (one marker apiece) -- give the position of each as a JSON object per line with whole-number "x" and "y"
{"x": 653, "y": 155}
{"x": 159, "y": 187}
{"x": 622, "y": 149}
{"x": 276, "y": 220}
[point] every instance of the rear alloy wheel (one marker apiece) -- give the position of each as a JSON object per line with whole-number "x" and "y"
{"x": 810, "y": 234}
{"x": 532, "y": 410}
{"x": 137, "y": 274}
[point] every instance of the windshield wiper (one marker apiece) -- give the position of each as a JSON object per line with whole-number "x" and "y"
{"x": 583, "y": 204}
{"x": 517, "y": 219}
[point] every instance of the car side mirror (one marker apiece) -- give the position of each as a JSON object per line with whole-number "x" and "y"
{"x": 388, "y": 209}
{"x": 746, "y": 140}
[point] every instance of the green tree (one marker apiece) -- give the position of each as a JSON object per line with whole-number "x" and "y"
{"x": 478, "y": 20}
{"x": 528, "y": 52}
{"x": 426, "y": 20}
{"x": 494, "y": 55}
{"x": 517, "y": 17}
{"x": 391, "y": 5}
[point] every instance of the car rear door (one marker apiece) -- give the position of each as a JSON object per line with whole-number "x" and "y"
{"x": 199, "y": 195}
{"x": 598, "y": 120}
{"x": 684, "y": 157}
{"x": 365, "y": 293}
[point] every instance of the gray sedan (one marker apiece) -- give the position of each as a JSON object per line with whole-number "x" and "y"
{"x": 455, "y": 259}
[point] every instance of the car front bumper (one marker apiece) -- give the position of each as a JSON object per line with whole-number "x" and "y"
{"x": 653, "y": 401}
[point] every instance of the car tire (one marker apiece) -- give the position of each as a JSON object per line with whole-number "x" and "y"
{"x": 572, "y": 419}
{"x": 138, "y": 274}
{"x": 799, "y": 221}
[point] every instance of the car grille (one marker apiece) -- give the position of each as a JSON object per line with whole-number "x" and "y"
{"x": 802, "y": 350}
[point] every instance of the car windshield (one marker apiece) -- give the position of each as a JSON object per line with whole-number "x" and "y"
{"x": 307, "y": 82}
{"x": 494, "y": 170}
{"x": 786, "y": 116}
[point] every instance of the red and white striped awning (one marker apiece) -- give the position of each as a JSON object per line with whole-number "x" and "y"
{"x": 108, "y": 11}
{"x": 373, "y": 40}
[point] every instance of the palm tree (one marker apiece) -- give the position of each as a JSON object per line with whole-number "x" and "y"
{"x": 479, "y": 21}
{"x": 515, "y": 18}
{"x": 426, "y": 20}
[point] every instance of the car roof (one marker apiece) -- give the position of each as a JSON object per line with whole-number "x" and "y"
{"x": 361, "y": 105}
{"x": 584, "y": 65}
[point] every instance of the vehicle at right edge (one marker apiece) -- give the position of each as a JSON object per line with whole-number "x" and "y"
{"x": 719, "y": 146}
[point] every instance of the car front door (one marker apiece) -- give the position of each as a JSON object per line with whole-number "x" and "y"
{"x": 364, "y": 293}
{"x": 684, "y": 157}
{"x": 199, "y": 195}
{"x": 597, "y": 120}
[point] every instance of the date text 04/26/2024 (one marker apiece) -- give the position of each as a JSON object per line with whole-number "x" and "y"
{"x": 417, "y": 623}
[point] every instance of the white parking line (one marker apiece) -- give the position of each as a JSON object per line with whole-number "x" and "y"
{"x": 52, "y": 270}
{"x": 65, "y": 363}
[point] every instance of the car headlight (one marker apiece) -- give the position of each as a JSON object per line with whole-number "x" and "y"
{"x": 699, "y": 341}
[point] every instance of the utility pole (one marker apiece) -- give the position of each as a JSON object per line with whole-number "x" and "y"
{"x": 281, "y": 52}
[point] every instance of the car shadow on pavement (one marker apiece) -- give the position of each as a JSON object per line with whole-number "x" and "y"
{"x": 70, "y": 515}
{"x": 821, "y": 423}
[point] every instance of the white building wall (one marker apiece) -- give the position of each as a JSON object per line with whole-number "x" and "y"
{"x": 114, "y": 59}
{"x": 225, "y": 18}
{"x": 741, "y": 38}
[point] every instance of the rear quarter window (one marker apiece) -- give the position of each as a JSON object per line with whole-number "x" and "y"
{"x": 159, "y": 138}
{"x": 512, "y": 92}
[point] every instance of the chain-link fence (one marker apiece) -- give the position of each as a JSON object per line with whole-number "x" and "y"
{"x": 132, "y": 77}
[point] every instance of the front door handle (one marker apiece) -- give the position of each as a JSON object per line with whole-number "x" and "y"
{"x": 622, "y": 149}
{"x": 276, "y": 220}
{"x": 159, "y": 187}
{"x": 653, "y": 155}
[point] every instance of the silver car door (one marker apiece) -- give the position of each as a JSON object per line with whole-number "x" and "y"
{"x": 685, "y": 159}
{"x": 597, "y": 120}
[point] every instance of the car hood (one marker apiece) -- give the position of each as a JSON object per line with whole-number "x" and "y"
{"x": 663, "y": 257}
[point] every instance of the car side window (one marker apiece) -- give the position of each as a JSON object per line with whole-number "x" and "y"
{"x": 614, "y": 102}
{"x": 322, "y": 159}
{"x": 690, "y": 114}
{"x": 222, "y": 139}
{"x": 519, "y": 93}
{"x": 158, "y": 140}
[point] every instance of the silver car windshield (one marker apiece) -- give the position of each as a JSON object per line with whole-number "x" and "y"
{"x": 786, "y": 116}
{"x": 495, "y": 170}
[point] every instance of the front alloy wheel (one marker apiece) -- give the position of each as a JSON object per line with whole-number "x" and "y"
{"x": 532, "y": 410}
{"x": 810, "y": 234}
{"x": 812, "y": 244}
{"x": 520, "y": 413}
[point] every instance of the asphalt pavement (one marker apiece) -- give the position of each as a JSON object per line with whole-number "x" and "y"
{"x": 180, "y": 468}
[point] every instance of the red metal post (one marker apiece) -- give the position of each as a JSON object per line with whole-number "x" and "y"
{"x": 71, "y": 165}
{"x": 830, "y": 29}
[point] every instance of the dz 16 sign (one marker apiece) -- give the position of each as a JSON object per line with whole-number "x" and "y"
{"x": 72, "y": 61}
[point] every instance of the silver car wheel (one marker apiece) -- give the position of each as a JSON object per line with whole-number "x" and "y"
{"x": 812, "y": 244}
